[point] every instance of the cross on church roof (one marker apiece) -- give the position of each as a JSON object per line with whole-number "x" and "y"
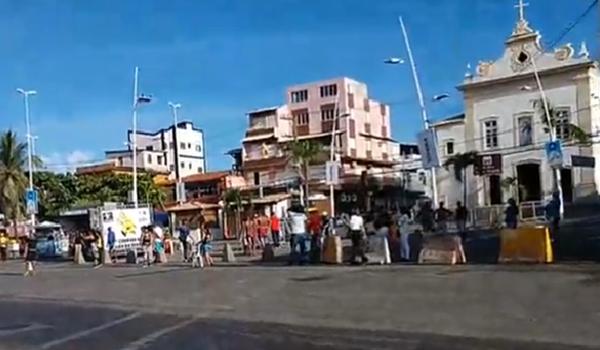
{"x": 521, "y": 6}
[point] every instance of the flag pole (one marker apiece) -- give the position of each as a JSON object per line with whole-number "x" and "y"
{"x": 134, "y": 195}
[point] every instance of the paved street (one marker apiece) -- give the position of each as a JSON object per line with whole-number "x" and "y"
{"x": 374, "y": 307}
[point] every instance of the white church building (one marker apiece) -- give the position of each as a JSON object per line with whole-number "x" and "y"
{"x": 502, "y": 123}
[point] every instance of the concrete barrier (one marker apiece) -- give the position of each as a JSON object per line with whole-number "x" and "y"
{"x": 446, "y": 250}
{"x": 332, "y": 250}
{"x": 526, "y": 244}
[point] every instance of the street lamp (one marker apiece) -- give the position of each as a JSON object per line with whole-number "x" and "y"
{"x": 26, "y": 94}
{"x": 395, "y": 60}
{"x": 336, "y": 119}
{"x": 174, "y": 107}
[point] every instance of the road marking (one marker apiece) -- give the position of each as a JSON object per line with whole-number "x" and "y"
{"x": 142, "y": 342}
{"x": 89, "y": 331}
{"x": 22, "y": 328}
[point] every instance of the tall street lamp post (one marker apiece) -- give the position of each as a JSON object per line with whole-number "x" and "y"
{"x": 26, "y": 94}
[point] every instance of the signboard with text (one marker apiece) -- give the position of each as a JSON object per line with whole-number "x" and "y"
{"x": 427, "y": 149}
{"x": 488, "y": 164}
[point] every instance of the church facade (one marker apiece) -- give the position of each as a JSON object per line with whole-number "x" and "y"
{"x": 504, "y": 122}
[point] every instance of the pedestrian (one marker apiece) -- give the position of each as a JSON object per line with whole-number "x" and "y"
{"x": 380, "y": 242}
{"x": 460, "y": 215}
{"x": 92, "y": 244}
{"x": 358, "y": 236}
{"x": 206, "y": 248}
{"x": 404, "y": 222}
{"x": 4, "y": 242}
{"x": 511, "y": 214}
{"x": 184, "y": 232}
{"x": 298, "y": 238}
{"x": 426, "y": 217}
{"x": 263, "y": 230}
{"x": 552, "y": 212}
{"x": 275, "y": 226}
{"x": 111, "y": 240}
{"x": 98, "y": 239}
{"x": 30, "y": 255}
{"x": 314, "y": 229}
{"x": 14, "y": 248}
{"x": 147, "y": 248}
{"x": 441, "y": 218}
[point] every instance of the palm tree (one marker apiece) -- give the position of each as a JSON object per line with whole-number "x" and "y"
{"x": 460, "y": 162}
{"x": 303, "y": 153}
{"x": 13, "y": 181}
{"x": 575, "y": 132}
{"x": 233, "y": 200}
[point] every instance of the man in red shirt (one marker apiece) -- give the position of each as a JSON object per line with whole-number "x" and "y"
{"x": 275, "y": 228}
{"x": 314, "y": 228}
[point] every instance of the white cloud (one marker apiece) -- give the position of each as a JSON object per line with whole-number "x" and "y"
{"x": 65, "y": 162}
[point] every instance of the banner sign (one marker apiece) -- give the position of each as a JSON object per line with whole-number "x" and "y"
{"x": 488, "y": 164}
{"x": 554, "y": 154}
{"x": 427, "y": 149}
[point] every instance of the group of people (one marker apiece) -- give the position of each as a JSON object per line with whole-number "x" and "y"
{"x": 10, "y": 247}
{"x": 196, "y": 244}
{"x": 256, "y": 231}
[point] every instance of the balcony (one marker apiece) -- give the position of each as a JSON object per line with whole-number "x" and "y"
{"x": 301, "y": 130}
{"x": 259, "y": 130}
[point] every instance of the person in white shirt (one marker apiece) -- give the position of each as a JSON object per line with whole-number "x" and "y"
{"x": 296, "y": 227}
{"x": 357, "y": 235}
{"x": 403, "y": 223}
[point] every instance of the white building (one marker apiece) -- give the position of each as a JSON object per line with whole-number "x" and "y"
{"x": 178, "y": 151}
{"x": 501, "y": 119}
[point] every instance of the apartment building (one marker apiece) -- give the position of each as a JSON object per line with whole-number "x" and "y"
{"x": 362, "y": 133}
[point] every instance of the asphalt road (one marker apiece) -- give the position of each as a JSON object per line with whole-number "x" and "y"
{"x": 50, "y": 325}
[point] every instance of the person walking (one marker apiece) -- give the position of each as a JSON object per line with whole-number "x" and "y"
{"x": 314, "y": 229}
{"x": 511, "y": 214}
{"x": 184, "y": 232}
{"x": 426, "y": 217}
{"x": 30, "y": 255}
{"x": 441, "y": 218}
{"x": 380, "y": 240}
{"x": 147, "y": 248}
{"x": 404, "y": 222}
{"x": 111, "y": 240}
{"x": 14, "y": 248}
{"x": 298, "y": 238}
{"x": 552, "y": 212}
{"x": 358, "y": 236}
{"x": 263, "y": 230}
{"x": 275, "y": 224}
{"x": 3, "y": 246}
{"x": 206, "y": 248}
{"x": 99, "y": 241}
{"x": 460, "y": 215}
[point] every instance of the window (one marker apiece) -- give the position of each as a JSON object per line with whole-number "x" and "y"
{"x": 171, "y": 167}
{"x": 159, "y": 160}
{"x": 182, "y": 145}
{"x": 120, "y": 159}
{"x": 182, "y": 165}
{"x": 525, "y": 131}
{"x": 149, "y": 159}
{"x": 367, "y": 128}
{"x": 328, "y": 112}
{"x": 301, "y": 117}
{"x": 449, "y": 148}
{"x": 256, "y": 178}
{"x": 384, "y": 132}
{"x": 198, "y": 148}
{"x": 200, "y": 169}
{"x": 382, "y": 109}
{"x": 189, "y": 146}
{"x": 299, "y": 96}
{"x": 171, "y": 145}
{"x": 350, "y": 100}
{"x": 328, "y": 90}
{"x": 562, "y": 125}
{"x": 491, "y": 134}
{"x": 367, "y": 105}
{"x": 352, "y": 128}
{"x": 149, "y": 148}
{"x": 190, "y": 166}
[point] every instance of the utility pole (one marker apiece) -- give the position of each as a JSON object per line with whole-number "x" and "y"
{"x": 134, "y": 195}
{"x": 422, "y": 105}
{"x": 174, "y": 108}
{"x": 26, "y": 94}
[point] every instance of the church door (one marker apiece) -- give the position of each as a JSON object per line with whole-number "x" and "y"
{"x": 530, "y": 186}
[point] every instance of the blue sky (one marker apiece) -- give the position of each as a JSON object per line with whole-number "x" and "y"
{"x": 222, "y": 58}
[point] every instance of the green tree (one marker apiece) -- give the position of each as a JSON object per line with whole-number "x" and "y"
{"x": 56, "y": 192}
{"x": 13, "y": 181}
{"x": 575, "y": 132}
{"x": 460, "y": 162}
{"x": 303, "y": 154}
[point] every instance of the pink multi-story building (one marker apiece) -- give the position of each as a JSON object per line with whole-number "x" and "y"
{"x": 362, "y": 133}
